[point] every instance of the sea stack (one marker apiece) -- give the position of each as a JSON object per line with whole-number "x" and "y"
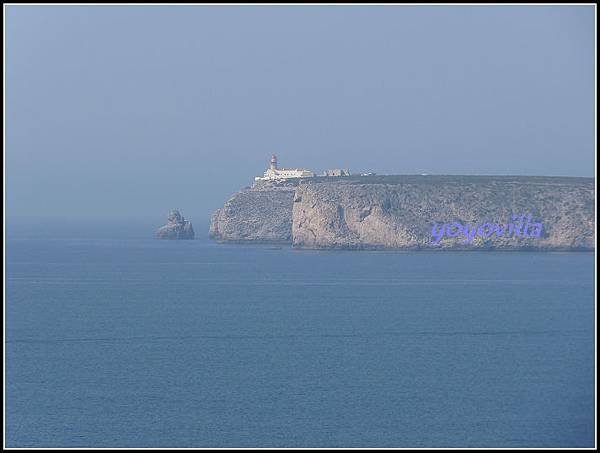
{"x": 176, "y": 228}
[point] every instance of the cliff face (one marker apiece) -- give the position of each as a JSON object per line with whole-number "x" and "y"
{"x": 260, "y": 214}
{"x": 404, "y": 212}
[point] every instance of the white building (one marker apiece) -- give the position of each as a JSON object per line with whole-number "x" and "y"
{"x": 337, "y": 172}
{"x": 283, "y": 173}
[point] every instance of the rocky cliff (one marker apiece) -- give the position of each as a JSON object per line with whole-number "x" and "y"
{"x": 259, "y": 214}
{"x": 404, "y": 212}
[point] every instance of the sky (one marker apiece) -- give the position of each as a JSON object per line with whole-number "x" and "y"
{"x": 118, "y": 112}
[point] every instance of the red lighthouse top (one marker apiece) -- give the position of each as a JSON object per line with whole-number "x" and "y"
{"x": 273, "y": 161}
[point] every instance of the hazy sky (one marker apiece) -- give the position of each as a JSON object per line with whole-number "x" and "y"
{"x": 129, "y": 111}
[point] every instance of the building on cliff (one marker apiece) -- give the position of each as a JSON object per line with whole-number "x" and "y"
{"x": 337, "y": 172}
{"x": 274, "y": 172}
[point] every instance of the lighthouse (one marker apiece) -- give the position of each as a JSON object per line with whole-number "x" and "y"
{"x": 276, "y": 173}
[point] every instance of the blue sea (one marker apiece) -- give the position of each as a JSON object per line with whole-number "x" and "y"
{"x": 126, "y": 341}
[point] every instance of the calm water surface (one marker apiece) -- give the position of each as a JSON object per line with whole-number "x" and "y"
{"x": 142, "y": 343}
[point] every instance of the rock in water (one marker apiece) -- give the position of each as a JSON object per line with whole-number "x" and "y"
{"x": 176, "y": 228}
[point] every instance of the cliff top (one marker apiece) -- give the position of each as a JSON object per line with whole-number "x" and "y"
{"x": 426, "y": 179}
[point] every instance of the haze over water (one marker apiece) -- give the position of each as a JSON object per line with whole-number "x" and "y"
{"x": 130, "y": 111}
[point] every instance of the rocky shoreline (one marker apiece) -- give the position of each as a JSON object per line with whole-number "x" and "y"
{"x": 398, "y": 212}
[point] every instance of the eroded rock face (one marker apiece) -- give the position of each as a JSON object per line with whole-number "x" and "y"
{"x": 399, "y": 212}
{"x": 176, "y": 228}
{"x": 260, "y": 214}
{"x": 402, "y": 215}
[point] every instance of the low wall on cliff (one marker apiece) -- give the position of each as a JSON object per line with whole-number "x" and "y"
{"x": 399, "y": 212}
